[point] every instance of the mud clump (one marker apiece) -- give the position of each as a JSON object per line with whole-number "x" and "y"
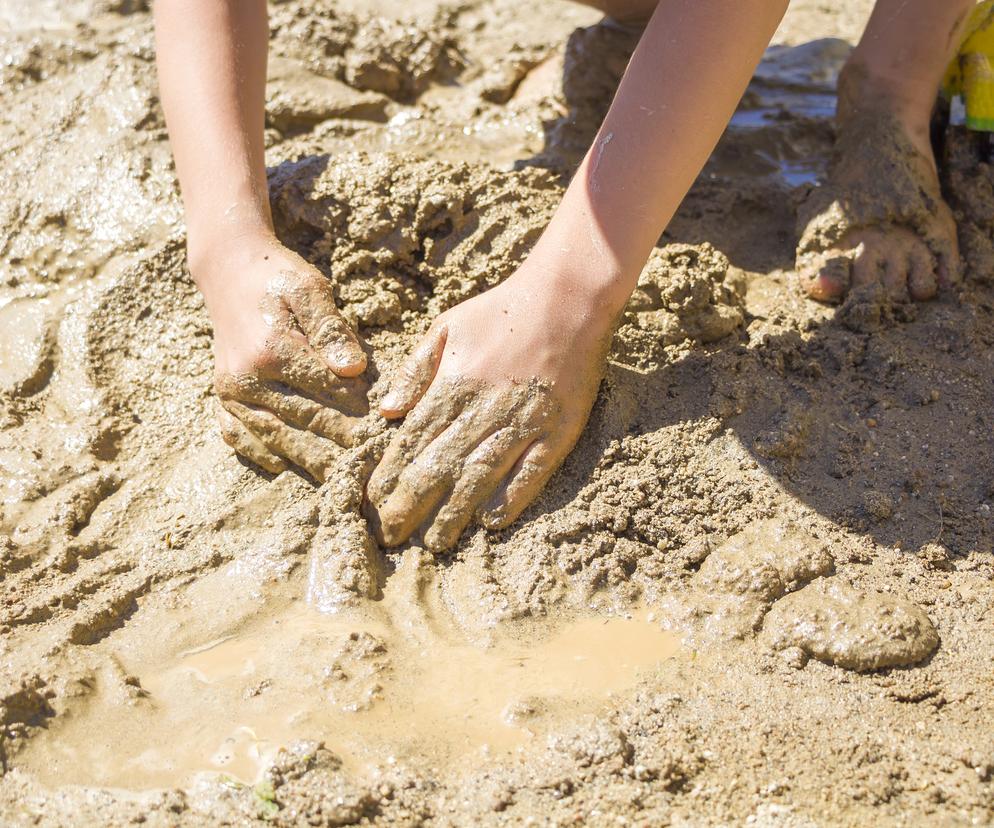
{"x": 738, "y": 583}
{"x": 24, "y": 706}
{"x": 852, "y": 629}
{"x": 685, "y": 293}
{"x": 297, "y": 98}
{"x": 403, "y": 235}
{"x": 366, "y": 52}
{"x": 306, "y": 785}
{"x": 596, "y": 57}
{"x": 26, "y": 347}
{"x": 969, "y": 182}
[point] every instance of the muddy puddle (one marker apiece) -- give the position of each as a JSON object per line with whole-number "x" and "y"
{"x": 779, "y": 127}
{"x": 807, "y": 504}
{"x": 378, "y": 686}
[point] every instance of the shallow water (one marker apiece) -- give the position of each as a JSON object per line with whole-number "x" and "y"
{"x": 381, "y": 687}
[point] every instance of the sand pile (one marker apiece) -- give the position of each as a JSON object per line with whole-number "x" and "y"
{"x": 803, "y": 506}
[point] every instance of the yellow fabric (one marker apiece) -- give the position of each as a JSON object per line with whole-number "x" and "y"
{"x": 971, "y": 73}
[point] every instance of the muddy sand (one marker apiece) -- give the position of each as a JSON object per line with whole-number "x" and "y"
{"x": 758, "y": 592}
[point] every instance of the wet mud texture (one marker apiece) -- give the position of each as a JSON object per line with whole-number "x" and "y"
{"x": 805, "y": 503}
{"x": 969, "y": 183}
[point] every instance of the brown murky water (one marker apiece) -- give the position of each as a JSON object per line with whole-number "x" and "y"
{"x": 377, "y": 687}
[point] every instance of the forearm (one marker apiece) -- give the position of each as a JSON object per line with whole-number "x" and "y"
{"x": 212, "y": 73}
{"x": 681, "y": 88}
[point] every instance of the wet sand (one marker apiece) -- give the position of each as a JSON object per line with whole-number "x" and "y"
{"x": 758, "y": 592}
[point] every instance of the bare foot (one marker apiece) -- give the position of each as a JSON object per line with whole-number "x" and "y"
{"x": 879, "y": 218}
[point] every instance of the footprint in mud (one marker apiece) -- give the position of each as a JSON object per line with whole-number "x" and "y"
{"x": 772, "y": 581}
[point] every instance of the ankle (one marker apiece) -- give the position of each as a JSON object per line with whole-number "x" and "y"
{"x": 866, "y": 91}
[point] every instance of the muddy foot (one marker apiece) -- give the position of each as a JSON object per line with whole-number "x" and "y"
{"x": 879, "y": 218}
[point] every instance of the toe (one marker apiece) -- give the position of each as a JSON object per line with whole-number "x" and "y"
{"x": 922, "y": 280}
{"x": 893, "y": 252}
{"x": 871, "y": 253}
{"x": 826, "y": 276}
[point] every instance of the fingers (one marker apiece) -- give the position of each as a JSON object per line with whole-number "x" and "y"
{"x": 294, "y": 409}
{"x": 246, "y": 444}
{"x": 313, "y": 454}
{"x": 415, "y": 375}
{"x": 290, "y": 360}
{"x": 529, "y": 475}
{"x": 483, "y": 470}
{"x": 421, "y": 484}
{"x": 312, "y": 302}
{"x": 432, "y": 416}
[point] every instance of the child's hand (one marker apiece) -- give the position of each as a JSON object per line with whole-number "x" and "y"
{"x": 287, "y": 363}
{"x": 499, "y": 390}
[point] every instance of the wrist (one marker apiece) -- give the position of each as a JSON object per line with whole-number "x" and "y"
{"x": 212, "y": 250}
{"x": 593, "y": 294}
{"x": 563, "y": 306}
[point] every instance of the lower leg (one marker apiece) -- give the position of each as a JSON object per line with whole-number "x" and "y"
{"x": 900, "y": 61}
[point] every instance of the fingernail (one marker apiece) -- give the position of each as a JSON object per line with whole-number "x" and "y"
{"x": 343, "y": 357}
{"x": 347, "y": 362}
{"x": 391, "y": 401}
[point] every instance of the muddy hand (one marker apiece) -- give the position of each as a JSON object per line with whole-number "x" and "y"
{"x": 498, "y": 393}
{"x": 287, "y": 363}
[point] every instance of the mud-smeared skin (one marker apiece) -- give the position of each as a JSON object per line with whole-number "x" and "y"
{"x": 878, "y": 227}
{"x": 280, "y": 400}
{"x": 450, "y": 456}
{"x": 760, "y": 452}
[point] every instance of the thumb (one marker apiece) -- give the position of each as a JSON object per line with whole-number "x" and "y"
{"x": 416, "y": 373}
{"x": 339, "y": 345}
{"x": 313, "y": 306}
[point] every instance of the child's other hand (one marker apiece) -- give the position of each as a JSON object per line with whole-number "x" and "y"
{"x": 498, "y": 392}
{"x": 286, "y": 362}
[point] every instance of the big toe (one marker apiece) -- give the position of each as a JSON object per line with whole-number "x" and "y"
{"x": 825, "y": 276}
